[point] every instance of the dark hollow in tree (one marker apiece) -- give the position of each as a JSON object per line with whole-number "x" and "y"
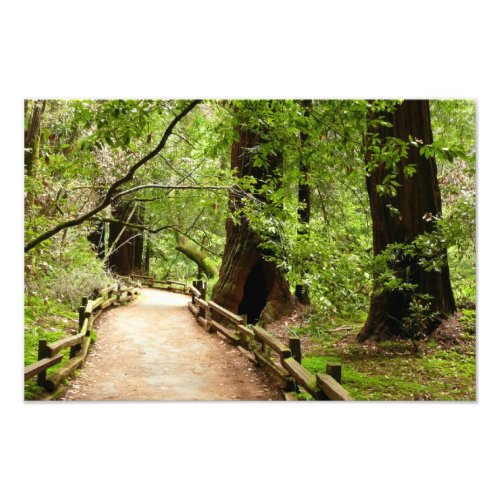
{"x": 248, "y": 284}
{"x": 417, "y": 196}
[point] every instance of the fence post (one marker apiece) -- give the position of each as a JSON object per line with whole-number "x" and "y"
{"x": 335, "y": 371}
{"x": 75, "y": 348}
{"x": 243, "y": 336}
{"x": 87, "y": 316}
{"x": 294, "y": 344}
{"x": 118, "y": 292}
{"x": 81, "y": 318}
{"x": 42, "y": 353}
{"x": 203, "y": 291}
{"x": 81, "y": 315}
{"x": 192, "y": 294}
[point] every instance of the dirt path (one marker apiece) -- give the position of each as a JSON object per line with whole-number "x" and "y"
{"x": 153, "y": 349}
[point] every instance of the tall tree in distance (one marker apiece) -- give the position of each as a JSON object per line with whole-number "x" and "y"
{"x": 304, "y": 196}
{"x": 32, "y": 132}
{"x": 405, "y": 202}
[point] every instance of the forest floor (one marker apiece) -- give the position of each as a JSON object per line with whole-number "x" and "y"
{"x": 153, "y": 349}
{"x": 443, "y": 367}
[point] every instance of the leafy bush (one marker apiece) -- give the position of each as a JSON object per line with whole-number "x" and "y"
{"x": 65, "y": 275}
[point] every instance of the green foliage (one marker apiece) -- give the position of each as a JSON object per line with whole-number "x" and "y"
{"x": 87, "y": 145}
{"x": 65, "y": 272}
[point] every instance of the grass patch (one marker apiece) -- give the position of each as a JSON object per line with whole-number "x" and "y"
{"x": 444, "y": 376}
{"x": 443, "y": 368}
{"x": 48, "y": 320}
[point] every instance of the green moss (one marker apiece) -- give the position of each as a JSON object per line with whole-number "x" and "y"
{"x": 444, "y": 375}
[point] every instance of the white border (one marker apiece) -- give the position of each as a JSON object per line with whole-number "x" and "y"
{"x": 259, "y": 49}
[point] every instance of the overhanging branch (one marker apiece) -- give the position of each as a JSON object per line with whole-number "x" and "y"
{"x": 162, "y": 186}
{"x": 147, "y": 229}
{"x": 114, "y": 187}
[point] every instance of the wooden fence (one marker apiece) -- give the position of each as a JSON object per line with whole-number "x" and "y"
{"x": 50, "y": 354}
{"x": 282, "y": 362}
{"x": 169, "y": 285}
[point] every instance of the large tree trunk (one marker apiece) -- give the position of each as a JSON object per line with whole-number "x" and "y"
{"x": 248, "y": 284}
{"x": 416, "y": 198}
{"x": 126, "y": 244}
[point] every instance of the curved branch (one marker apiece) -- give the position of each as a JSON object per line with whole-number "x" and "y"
{"x": 162, "y": 186}
{"x": 114, "y": 187}
{"x": 140, "y": 227}
{"x": 199, "y": 256}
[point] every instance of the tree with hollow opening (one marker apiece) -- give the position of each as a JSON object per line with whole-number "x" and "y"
{"x": 248, "y": 282}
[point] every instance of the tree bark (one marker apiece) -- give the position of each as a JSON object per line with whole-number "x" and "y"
{"x": 248, "y": 284}
{"x": 32, "y": 134}
{"x": 416, "y": 198}
{"x": 120, "y": 244}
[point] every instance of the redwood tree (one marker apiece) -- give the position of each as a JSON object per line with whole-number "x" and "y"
{"x": 248, "y": 283}
{"x": 125, "y": 244}
{"x": 399, "y": 215}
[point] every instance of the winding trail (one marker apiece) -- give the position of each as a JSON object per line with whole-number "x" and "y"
{"x": 153, "y": 349}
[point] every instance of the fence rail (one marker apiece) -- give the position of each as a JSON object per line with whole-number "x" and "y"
{"x": 49, "y": 354}
{"x": 170, "y": 285}
{"x": 281, "y": 362}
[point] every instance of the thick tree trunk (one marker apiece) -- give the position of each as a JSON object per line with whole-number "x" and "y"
{"x": 248, "y": 284}
{"x": 126, "y": 243}
{"x": 304, "y": 195}
{"x": 416, "y": 198}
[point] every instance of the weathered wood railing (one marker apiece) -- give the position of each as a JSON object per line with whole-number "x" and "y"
{"x": 170, "y": 285}
{"x": 50, "y": 355}
{"x": 281, "y": 362}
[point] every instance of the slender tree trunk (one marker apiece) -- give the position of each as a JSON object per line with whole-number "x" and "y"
{"x": 97, "y": 238}
{"x": 416, "y": 198}
{"x": 139, "y": 240}
{"x": 147, "y": 257}
{"x": 32, "y": 134}
{"x": 248, "y": 284}
{"x": 304, "y": 195}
